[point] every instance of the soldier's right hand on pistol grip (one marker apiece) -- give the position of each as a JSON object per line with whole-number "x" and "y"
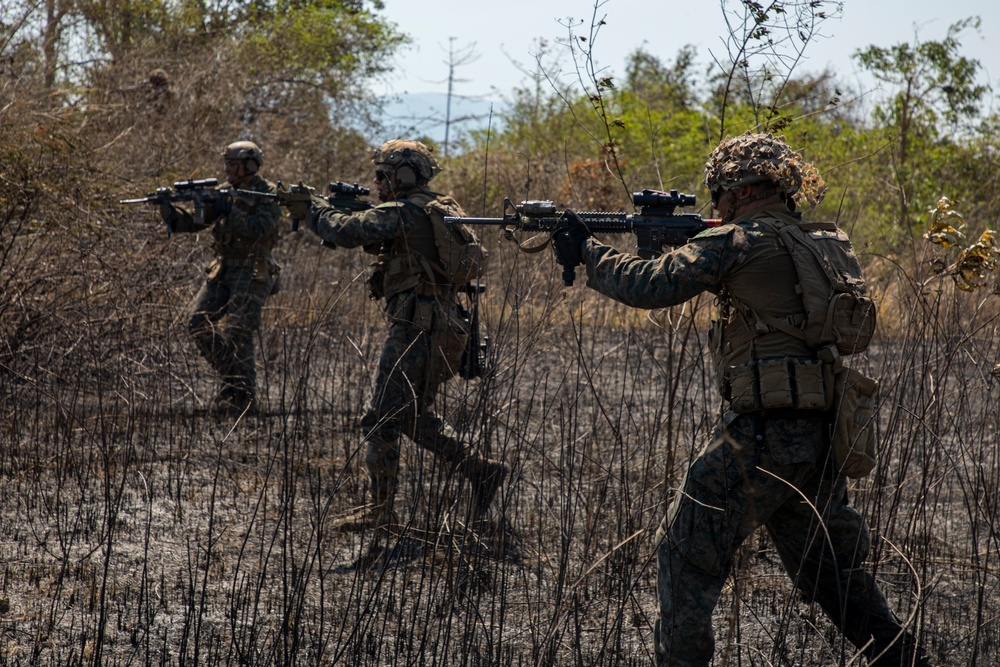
{"x": 567, "y": 243}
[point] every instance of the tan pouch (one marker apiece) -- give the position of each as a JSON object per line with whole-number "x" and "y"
{"x": 852, "y": 319}
{"x": 448, "y": 340}
{"x": 743, "y": 388}
{"x": 853, "y": 441}
{"x": 775, "y": 384}
{"x": 812, "y": 385}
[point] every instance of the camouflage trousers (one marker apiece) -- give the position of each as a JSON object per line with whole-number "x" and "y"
{"x": 409, "y": 374}
{"x": 224, "y": 318}
{"x": 772, "y": 473}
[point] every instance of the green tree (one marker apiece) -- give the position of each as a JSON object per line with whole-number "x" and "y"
{"x": 932, "y": 88}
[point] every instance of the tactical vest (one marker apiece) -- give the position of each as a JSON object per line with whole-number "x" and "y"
{"x": 783, "y": 326}
{"x": 412, "y": 261}
{"x": 240, "y": 251}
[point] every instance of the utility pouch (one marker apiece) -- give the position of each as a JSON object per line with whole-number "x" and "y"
{"x": 813, "y": 385}
{"x": 778, "y": 384}
{"x": 852, "y": 319}
{"x": 775, "y": 381}
{"x": 853, "y": 440}
{"x": 448, "y": 341}
{"x": 744, "y": 394}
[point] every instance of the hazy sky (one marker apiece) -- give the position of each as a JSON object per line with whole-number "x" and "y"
{"x": 507, "y": 30}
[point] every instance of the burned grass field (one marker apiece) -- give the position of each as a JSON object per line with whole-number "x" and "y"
{"x": 137, "y": 528}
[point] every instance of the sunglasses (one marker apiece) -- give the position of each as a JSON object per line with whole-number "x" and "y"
{"x": 381, "y": 175}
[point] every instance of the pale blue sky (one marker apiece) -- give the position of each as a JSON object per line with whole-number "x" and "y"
{"x": 509, "y": 29}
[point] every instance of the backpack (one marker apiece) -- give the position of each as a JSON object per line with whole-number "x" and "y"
{"x": 460, "y": 253}
{"x": 830, "y": 283}
{"x": 461, "y": 256}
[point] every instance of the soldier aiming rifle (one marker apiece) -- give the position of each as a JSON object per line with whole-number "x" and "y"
{"x": 226, "y": 313}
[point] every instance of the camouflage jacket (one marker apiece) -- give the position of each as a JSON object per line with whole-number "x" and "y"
{"x": 742, "y": 263}
{"x": 248, "y": 231}
{"x": 399, "y": 231}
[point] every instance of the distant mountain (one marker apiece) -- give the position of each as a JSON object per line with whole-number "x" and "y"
{"x": 425, "y": 114}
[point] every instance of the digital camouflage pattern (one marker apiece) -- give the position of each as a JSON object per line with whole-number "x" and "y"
{"x": 225, "y": 315}
{"x": 759, "y": 467}
{"x": 774, "y": 473}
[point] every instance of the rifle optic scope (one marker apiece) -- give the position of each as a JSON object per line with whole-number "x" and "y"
{"x": 189, "y": 184}
{"x": 655, "y": 198}
{"x": 341, "y": 188}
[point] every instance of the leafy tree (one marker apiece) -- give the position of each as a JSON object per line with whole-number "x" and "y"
{"x": 933, "y": 88}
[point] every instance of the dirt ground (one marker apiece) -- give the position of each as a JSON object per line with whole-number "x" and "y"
{"x": 136, "y": 528}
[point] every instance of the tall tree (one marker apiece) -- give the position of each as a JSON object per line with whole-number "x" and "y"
{"x": 930, "y": 84}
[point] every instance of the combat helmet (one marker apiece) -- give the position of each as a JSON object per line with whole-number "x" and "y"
{"x": 758, "y": 158}
{"x": 245, "y": 150}
{"x": 400, "y": 154}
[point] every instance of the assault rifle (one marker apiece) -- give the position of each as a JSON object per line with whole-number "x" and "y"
{"x": 200, "y": 192}
{"x": 474, "y": 362}
{"x": 343, "y": 197}
{"x": 655, "y": 225}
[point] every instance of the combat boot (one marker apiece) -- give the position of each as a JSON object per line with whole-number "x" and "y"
{"x": 485, "y": 477}
{"x": 233, "y": 401}
{"x": 376, "y": 515}
{"x": 369, "y": 517}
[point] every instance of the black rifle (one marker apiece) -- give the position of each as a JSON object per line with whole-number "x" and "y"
{"x": 655, "y": 225}
{"x": 474, "y": 364}
{"x": 200, "y": 192}
{"x": 345, "y": 197}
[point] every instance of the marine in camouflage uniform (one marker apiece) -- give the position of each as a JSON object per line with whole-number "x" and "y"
{"x": 768, "y": 468}
{"x": 427, "y": 333}
{"x": 225, "y": 316}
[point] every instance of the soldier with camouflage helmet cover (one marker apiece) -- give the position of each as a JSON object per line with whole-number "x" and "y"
{"x": 225, "y": 315}
{"x": 765, "y": 465}
{"x": 427, "y": 333}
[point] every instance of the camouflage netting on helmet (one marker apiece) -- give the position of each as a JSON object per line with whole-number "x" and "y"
{"x": 414, "y": 153}
{"x": 757, "y": 158}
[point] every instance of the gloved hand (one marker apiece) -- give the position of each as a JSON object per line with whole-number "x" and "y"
{"x": 222, "y": 206}
{"x": 298, "y": 209}
{"x": 567, "y": 243}
{"x": 169, "y": 214}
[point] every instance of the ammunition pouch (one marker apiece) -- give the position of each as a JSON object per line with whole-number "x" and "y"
{"x": 778, "y": 384}
{"x": 853, "y": 441}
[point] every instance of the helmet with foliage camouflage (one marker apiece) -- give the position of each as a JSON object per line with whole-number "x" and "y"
{"x": 414, "y": 154}
{"x": 758, "y": 158}
{"x": 245, "y": 150}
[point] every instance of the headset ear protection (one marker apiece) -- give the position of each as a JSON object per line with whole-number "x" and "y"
{"x": 250, "y": 166}
{"x": 406, "y": 177}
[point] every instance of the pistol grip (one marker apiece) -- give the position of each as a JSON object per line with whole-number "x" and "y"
{"x": 568, "y": 275}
